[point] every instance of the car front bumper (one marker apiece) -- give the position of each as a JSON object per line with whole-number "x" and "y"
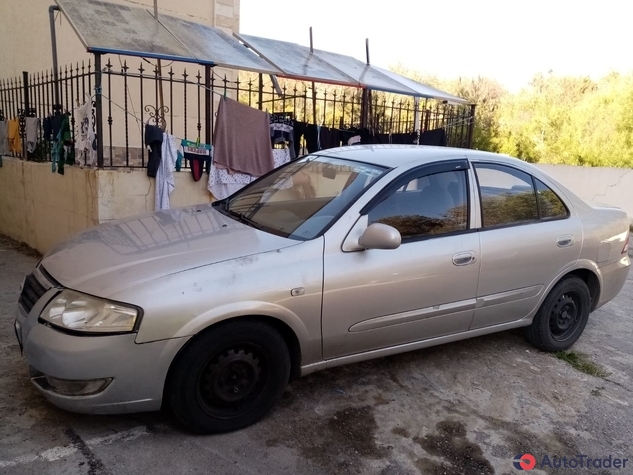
{"x": 138, "y": 371}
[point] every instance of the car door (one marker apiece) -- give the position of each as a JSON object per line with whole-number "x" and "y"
{"x": 528, "y": 237}
{"x": 426, "y": 288}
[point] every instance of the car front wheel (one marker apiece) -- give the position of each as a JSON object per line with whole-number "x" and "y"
{"x": 562, "y": 317}
{"x": 228, "y": 377}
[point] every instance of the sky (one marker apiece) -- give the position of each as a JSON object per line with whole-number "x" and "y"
{"x": 508, "y": 40}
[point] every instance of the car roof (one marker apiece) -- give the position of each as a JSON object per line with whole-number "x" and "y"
{"x": 394, "y": 156}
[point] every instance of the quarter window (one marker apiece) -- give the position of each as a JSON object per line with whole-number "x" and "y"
{"x": 428, "y": 205}
{"x": 550, "y": 206}
{"x": 507, "y": 195}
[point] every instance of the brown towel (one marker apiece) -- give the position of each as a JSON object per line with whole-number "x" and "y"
{"x": 242, "y": 139}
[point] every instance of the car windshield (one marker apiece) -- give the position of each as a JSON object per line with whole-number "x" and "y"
{"x": 303, "y": 198}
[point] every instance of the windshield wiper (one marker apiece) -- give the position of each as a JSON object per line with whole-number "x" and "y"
{"x": 242, "y": 219}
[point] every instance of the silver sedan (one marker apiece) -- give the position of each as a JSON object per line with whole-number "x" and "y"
{"x": 337, "y": 257}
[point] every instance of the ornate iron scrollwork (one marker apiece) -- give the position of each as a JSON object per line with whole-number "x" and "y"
{"x": 157, "y": 114}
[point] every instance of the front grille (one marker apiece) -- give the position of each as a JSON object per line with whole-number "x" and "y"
{"x": 31, "y": 292}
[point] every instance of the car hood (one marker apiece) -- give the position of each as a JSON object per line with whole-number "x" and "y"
{"x": 112, "y": 257}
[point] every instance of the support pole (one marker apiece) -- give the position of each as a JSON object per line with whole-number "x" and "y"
{"x": 51, "y": 15}
{"x": 416, "y": 115}
{"x": 99, "y": 110}
{"x": 366, "y": 97}
{"x": 471, "y": 126}
{"x": 207, "y": 103}
{"x": 314, "y": 112}
{"x": 161, "y": 110}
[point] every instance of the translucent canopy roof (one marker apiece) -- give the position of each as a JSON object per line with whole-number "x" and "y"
{"x": 298, "y": 62}
{"x": 112, "y": 28}
{"x": 422, "y": 90}
{"x": 214, "y": 46}
{"x": 105, "y": 27}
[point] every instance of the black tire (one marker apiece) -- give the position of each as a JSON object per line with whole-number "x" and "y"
{"x": 562, "y": 317}
{"x": 228, "y": 377}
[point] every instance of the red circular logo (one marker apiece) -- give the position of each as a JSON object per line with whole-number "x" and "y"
{"x": 524, "y": 462}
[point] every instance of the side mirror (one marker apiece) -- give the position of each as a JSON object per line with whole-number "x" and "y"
{"x": 380, "y": 236}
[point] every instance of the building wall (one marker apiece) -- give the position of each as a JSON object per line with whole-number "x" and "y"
{"x": 25, "y": 30}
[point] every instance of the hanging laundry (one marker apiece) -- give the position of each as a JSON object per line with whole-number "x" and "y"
{"x": 281, "y": 156}
{"x": 282, "y": 132}
{"x": 199, "y": 156}
{"x": 13, "y": 135}
{"x": 52, "y": 125}
{"x": 63, "y": 148}
{"x": 329, "y": 138}
{"x": 165, "y": 182}
{"x": 298, "y": 132}
{"x": 318, "y": 137}
{"x": 223, "y": 184}
{"x": 242, "y": 139}
{"x": 86, "y": 139}
{"x": 32, "y": 128}
{"x": 405, "y": 139}
{"x": 433, "y": 137}
{"x": 350, "y": 136}
{"x": 4, "y": 137}
{"x": 153, "y": 140}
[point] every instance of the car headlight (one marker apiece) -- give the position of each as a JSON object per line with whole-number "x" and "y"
{"x": 79, "y": 312}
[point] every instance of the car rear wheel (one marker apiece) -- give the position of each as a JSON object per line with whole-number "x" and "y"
{"x": 228, "y": 377}
{"x": 562, "y": 317}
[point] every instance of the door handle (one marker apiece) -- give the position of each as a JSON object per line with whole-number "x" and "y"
{"x": 464, "y": 258}
{"x": 565, "y": 241}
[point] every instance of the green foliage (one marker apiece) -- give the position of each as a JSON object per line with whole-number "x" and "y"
{"x": 556, "y": 119}
{"x": 582, "y": 363}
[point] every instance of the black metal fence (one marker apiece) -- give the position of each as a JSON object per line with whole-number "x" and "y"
{"x": 184, "y": 101}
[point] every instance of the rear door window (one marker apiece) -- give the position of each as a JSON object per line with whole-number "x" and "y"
{"x": 507, "y": 195}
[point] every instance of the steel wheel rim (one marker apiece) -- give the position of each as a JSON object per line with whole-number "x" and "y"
{"x": 565, "y": 316}
{"x": 233, "y": 380}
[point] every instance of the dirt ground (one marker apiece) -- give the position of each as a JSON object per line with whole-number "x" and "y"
{"x": 463, "y": 408}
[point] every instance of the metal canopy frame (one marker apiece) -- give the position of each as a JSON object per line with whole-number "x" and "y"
{"x": 306, "y": 64}
{"x": 296, "y": 62}
{"x": 133, "y": 31}
{"x": 128, "y": 30}
{"x": 137, "y": 32}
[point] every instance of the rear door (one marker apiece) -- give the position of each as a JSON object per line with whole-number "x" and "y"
{"x": 426, "y": 288}
{"x": 528, "y": 237}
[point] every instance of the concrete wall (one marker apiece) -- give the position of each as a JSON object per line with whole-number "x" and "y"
{"x": 123, "y": 193}
{"x": 41, "y": 208}
{"x": 611, "y": 186}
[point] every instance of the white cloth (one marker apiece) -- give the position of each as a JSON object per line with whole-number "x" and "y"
{"x": 281, "y": 156}
{"x": 32, "y": 126}
{"x": 84, "y": 133}
{"x": 165, "y": 182}
{"x": 223, "y": 184}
